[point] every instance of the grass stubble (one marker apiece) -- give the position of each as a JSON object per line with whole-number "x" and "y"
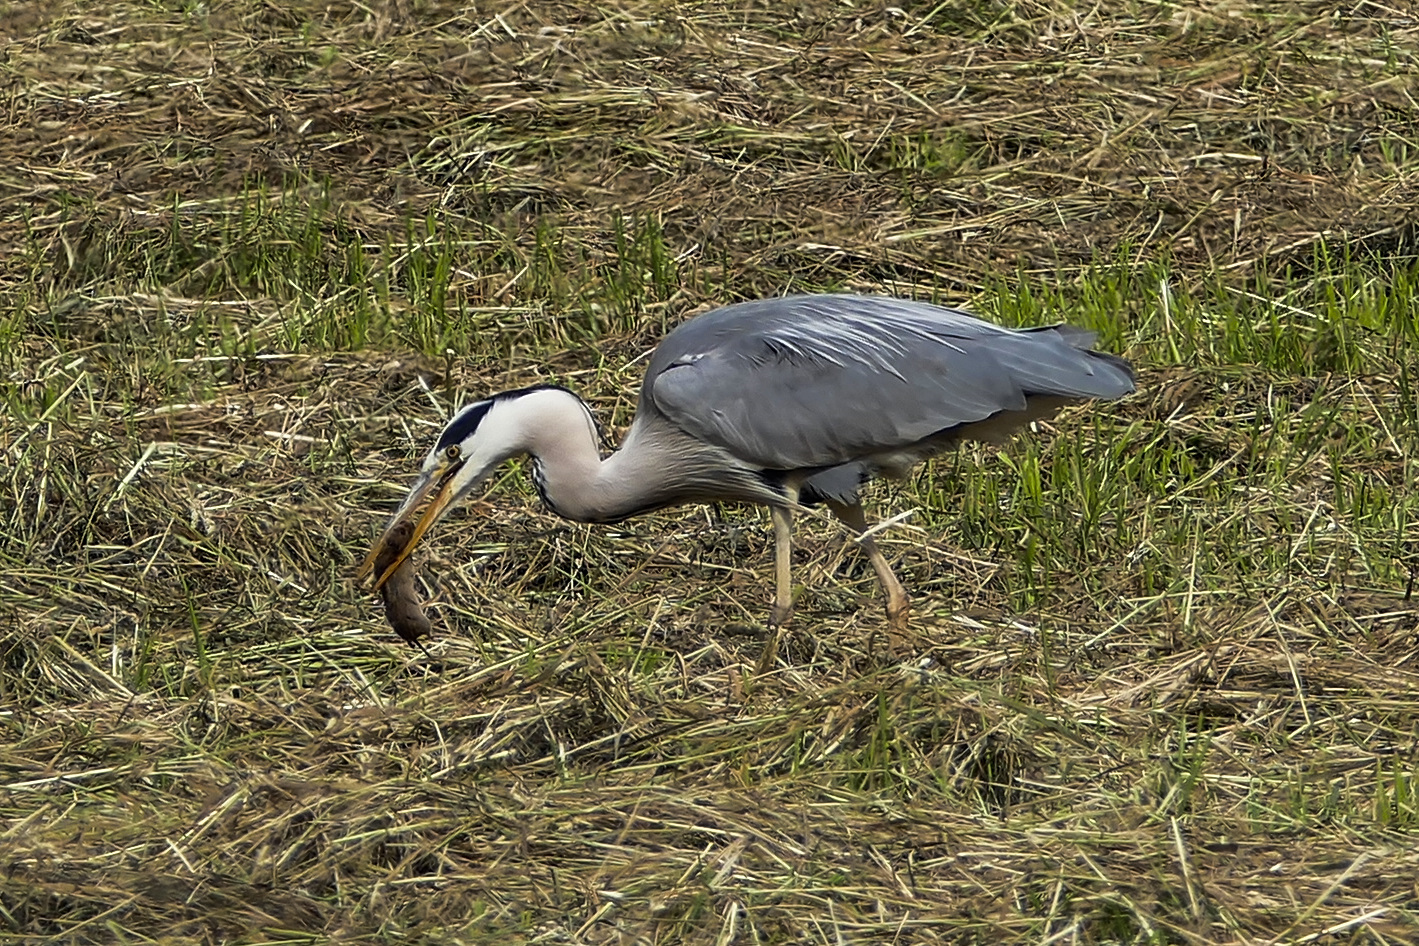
{"x": 1166, "y": 688}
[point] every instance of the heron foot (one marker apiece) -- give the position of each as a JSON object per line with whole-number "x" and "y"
{"x": 899, "y": 608}
{"x": 900, "y": 640}
{"x": 779, "y": 613}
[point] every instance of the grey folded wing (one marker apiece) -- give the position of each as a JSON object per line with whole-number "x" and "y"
{"x": 817, "y": 381}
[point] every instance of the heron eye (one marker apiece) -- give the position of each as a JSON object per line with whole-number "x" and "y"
{"x": 452, "y": 452}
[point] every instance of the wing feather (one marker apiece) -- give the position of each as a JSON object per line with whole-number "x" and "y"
{"x": 814, "y": 381}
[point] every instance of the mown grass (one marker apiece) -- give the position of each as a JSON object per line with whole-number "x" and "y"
{"x": 1165, "y": 684}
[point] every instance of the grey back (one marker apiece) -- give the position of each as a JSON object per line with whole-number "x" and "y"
{"x": 816, "y": 381}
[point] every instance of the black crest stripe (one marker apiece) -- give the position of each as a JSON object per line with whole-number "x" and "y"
{"x": 461, "y": 427}
{"x": 467, "y": 420}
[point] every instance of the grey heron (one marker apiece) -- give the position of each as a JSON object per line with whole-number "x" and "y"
{"x": 783, "y": 402}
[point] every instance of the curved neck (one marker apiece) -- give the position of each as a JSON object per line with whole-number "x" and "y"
{"x": 568, "y": 470}
{"x": 657, "y": 465}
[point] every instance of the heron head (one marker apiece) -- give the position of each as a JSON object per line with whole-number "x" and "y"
{"x": 473, "y": 443}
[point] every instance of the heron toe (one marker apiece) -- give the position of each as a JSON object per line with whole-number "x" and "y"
{"x": 779, "y": 613}
{"x": 899, "y": 608}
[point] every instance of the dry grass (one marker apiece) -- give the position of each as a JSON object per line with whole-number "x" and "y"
{"x": 1167, "y": 682}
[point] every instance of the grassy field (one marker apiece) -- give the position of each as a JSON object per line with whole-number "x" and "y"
{"x": 1166, "y": 688}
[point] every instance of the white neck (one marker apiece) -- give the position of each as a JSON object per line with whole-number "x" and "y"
{"x": 658, "y": 464}
{"x": 556, "y": 428}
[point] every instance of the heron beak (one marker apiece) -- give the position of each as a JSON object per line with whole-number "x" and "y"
{"x": 437, "y": 487}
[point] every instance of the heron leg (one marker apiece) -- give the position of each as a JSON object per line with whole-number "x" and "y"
{"x": 898, "y": 604}
{"x": 783, "y": 579}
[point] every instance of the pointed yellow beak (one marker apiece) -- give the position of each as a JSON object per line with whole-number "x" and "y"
{"x": 435, "y": 486}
